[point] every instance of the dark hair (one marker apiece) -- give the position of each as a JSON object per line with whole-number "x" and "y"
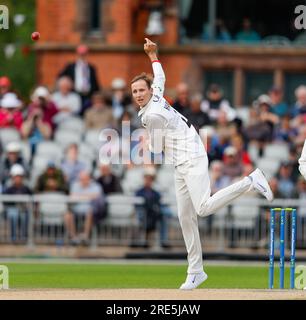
{"x": 143, "y": 76}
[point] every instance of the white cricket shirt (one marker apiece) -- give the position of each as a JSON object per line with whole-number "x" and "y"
{"x": 169, "y": 131}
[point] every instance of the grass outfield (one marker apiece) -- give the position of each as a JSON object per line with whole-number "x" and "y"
{"x": 105, "y": 276}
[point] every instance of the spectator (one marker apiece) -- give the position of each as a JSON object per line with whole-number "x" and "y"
{"x": 99, "y": 115}
{"x": 221, "y": 32}
{"x": 238, "y": 143}
{"x": 10, "y": 114}
{"x": 51, "y": 180}
{"x": 68, "y": 103}
{"x": 278, "y": 106}
{"x": 151, "y": 211}
{"x": 12, "y": 157}
{"x": 275, "y": 188}
{"x": 182, "y": 101}
{"x": 262, "y": 121}
{"x": 247, "y": 34}
{"x": 232, "y": 164}
{"x": 91, "y": 208}
{"x": 17, "y": 213}
{"x": 286, "y": 185}
{"x": 210, "y": 140}
{"x": 71, "y": 166}
{"x": 195, "y": 115}
{"x": 120, "y": 100}
{"x": 300, "y": 105}
{"x": 42, "y": 107}
{"x": 82, "y": 74}
{"x": 216, "y": 103}
{"x": 217, "y": 178}
{"x": 5, "y": 86}
{"x": 36, "y": 129}
{"x": 284, "y": 132}
{"x": 108, "y": 181}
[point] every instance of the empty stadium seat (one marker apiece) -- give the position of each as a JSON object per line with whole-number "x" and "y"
{"x": 52, "y": 207}
{"x": 49, "y": 149}
{"x": 243, "y": 215}
{"x": 74, "y": 124}
{"x": 133, "y": 180}
{"x": 65, "y": 138}
{"x": 9, "y": 135}
{"x": 268, "y": 166}
{"x": 277, "y": 151}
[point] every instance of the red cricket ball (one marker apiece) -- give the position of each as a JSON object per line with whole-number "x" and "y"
{"x": 35, "y": 36}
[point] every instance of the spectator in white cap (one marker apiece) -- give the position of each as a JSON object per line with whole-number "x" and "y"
{"x": 17, "y": 213}
{"x": 10, "y": 113}
{"x": 42, "y": 107}
{"x": 120, "y": 98}
{"x": 67, "y": 101}
{"x": 12, "y": 156}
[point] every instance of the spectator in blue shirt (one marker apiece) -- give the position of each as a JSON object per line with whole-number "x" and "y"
{"x": 247, "y": 34}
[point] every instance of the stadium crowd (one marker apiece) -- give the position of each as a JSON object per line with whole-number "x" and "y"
{"x": 51, "y": 144}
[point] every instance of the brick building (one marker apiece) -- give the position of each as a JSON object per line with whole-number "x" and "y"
{"x": 114, "y": 31}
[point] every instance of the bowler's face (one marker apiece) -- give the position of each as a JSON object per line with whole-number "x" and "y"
{"x": 141, "y": 93}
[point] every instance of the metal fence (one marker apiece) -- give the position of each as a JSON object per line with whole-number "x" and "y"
{"x": 40, "y": 219}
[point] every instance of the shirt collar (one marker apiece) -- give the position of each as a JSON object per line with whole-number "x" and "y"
{"x": 143, "y": 109}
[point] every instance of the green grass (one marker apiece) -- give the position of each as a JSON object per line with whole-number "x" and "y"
{"x": 87, "y": 276}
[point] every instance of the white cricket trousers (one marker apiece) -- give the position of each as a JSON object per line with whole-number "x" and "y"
{"x": 192, "y": 187}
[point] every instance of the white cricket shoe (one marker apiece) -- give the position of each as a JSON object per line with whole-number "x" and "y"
{"x": 261, "y": 184}
{"x": 193, "y": 280}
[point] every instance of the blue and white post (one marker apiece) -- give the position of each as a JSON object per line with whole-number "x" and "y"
{"x": 271, "y": 255}
{"x": 293, "y": 241}
{"x": 282, "y": 249}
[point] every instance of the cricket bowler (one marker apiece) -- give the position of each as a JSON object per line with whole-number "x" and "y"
{"x": 302, "y": 161}
{"x": 171, "y": 132}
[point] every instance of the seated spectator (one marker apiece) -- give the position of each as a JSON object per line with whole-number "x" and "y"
{"x": 210, "y": 140}
{"x": 300, "y": 105}
{"x": 284, "y": 132}
{"x": 36, "y": 129}
{"x": 273, "y": 182}
{"x": 214, "y": 103}
{"x": 13, "y": 156}
{"x": 262, "y": 121}
{"x": 42, "y": 105}
{"x": 99, "y": 115}
{"x": 232, "y": 164}
{"x": 120, "y": 99}
{"x": 218, "y": 180}
{"x": 5, "y": 86}
{"x": 68, "y": 102}
{"x": 221, "y": 32}
{"x": 10, "y": 113}
{"x": 51, "y": 180}
{"x": 108, "y": 181}
{"x": 195, "y": 115}
{"x": 151, "y": 212}
{"x": 182, "y": 101}
{"x": 238, "y": 143}
{"x": 83, "y": 75}
{"x": 71, "y": 166}
{"x": 91, "y": 208}
{"x": 278, "y": 106}
{"x": 286, "y": 185}
{"x": 17, "y": 213}
{"x": 247, "y": 34}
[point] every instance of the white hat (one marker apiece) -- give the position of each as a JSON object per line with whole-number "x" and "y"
{"x": 118, "y": 83}
{"x": 263, "y": 99}
{"x": 13, "y": 147}
{"x": 42, "y": 92}
{"x": 17, "y": 170}
{"x": 150, "y": 171}
{"x": 10, "y": 100}
{"x": 230, "y": 151}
